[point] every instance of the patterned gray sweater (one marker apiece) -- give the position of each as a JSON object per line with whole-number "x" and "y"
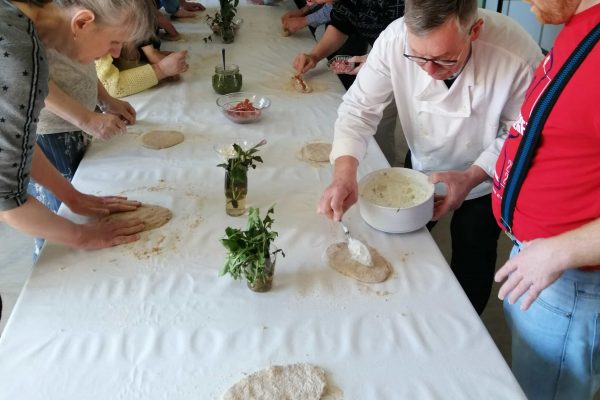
{"x": 23, "y": 87}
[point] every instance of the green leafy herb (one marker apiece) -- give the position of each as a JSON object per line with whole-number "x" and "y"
{"x": 223, "y": 19}
{"x": 248, "y": 250}
{"x": 228, "y": 11}
{"x": 237, "y": 168}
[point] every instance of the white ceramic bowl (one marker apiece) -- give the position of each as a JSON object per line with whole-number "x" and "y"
{"x": 396, "y": 200}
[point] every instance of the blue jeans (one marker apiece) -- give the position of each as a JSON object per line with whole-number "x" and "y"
{"x": 65, "y": 151}
{"x": 170, "y": 6}
{"x": 556, "y": 343}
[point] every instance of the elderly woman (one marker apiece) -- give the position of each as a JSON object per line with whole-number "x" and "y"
{"x": 82, "y": 30}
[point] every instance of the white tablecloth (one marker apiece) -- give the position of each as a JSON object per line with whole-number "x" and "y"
{"x": 153, "y": 320}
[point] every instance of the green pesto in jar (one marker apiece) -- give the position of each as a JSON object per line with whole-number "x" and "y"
{"x": 227, "y": 80}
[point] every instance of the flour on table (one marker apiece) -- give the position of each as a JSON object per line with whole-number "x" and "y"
{"x": 153, "y": 216}
{"x": 161, "y": 139}
{"x": 316, "y": 152}
{"x": 299, "y": 381}
{"x": 339, "y": 258}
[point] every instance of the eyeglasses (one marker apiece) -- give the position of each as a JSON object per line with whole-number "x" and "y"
{"x": 441, "y": 63}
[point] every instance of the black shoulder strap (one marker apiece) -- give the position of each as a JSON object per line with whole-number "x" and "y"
{"x": 537, "y": 120}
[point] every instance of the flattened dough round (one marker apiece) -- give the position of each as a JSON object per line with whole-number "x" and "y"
{"x": 161, "y": 139}
{"x": 152, "y": 215}
{"x": 299, "y": 381}
{"x": 340, "y": 259}
{"x": 317, "y": 152}
{"x": 300, "y": 85}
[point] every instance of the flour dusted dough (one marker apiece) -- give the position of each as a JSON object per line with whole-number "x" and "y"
{"x": 152, "y": 216}
{"x": 300, "y": 84}
{"x": 317, "y": 152}
{"x": 340, "y": 259}
{"x": 161, "y": 139}
{"x": 291, "y": 382}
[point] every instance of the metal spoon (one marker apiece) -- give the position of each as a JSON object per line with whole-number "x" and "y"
{"x": 358, "y": 250}
{"x": 346, "y": 231}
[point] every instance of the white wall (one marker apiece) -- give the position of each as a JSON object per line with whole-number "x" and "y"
{"x": 544, "y": 35}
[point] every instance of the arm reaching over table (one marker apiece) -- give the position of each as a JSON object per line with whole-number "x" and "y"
{"x": 342, "y": 193}
{"x": 124, "y": 83}
{"x": 331, "y": 41}
{"x": 99, "y": 125}
{"x": 33, "y": 218}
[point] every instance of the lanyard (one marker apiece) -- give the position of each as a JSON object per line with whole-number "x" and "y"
{"x": 533, "y": 131}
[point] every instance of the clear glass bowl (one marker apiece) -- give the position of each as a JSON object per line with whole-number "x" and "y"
{"x": 340, "y": 64}
{"x": 230, "y": 103}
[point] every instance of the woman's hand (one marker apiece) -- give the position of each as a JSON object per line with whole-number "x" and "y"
{"x": 100, "y": 234}
{"x": 103, "y": 126}
{"x": 99, "y": 206}
{"x": 304, "y": 62}
{"x": 121, "y": 108}
{"x": 173, "y": 64}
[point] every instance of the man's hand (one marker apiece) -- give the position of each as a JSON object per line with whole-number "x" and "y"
{"x": 89, "y": 205}
{"x": 304, "y": 62}
{"x": 342, "y": 193}
{"x": 294, "y": 24}
{"x": 103, "y": 126}
{"x": 536, "y": 267}
{"x": 101, "y": 234}
{"x": 120, "y": 108}
{"x": 459, "y": 184}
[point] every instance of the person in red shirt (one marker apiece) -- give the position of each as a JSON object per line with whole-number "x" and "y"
{"x": 554, "y": 271}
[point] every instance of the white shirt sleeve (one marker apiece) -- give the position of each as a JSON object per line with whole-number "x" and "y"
{"x": 487, "y": 159}
{"x": 363, "y": 105}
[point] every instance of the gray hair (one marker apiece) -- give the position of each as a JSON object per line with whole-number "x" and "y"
{"x": 423, "y": 16}
{"x": 140, "y": 15}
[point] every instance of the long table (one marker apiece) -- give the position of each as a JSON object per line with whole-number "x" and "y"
{"x": 153, "y": 319}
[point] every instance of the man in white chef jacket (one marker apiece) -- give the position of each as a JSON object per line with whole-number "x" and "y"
{"x": 458, "y": 75}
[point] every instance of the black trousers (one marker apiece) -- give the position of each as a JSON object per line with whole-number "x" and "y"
{"x": 474, "y": 233}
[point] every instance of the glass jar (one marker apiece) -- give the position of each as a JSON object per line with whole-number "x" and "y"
{"x": 227, "y": 80}
{"x": 263, "y": 283}
{"x": 236, "y": 189}
{"x": 227, "y": 34}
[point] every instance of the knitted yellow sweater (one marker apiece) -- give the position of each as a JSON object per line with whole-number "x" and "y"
{"x": 123, "y": 83}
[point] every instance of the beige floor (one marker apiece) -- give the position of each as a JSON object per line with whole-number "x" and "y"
{"x": 493, "y": 317}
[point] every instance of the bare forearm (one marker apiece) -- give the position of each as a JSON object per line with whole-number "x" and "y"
{"x": 345, "y": 167}
{"x": 103, "y": 96}
{"x": 331, "y": 41}
{"x": 64, "y": 106}
{"x": 36, "y": 220}
{"x": 475, "y": 176}
{"x": 579, "y": 247}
